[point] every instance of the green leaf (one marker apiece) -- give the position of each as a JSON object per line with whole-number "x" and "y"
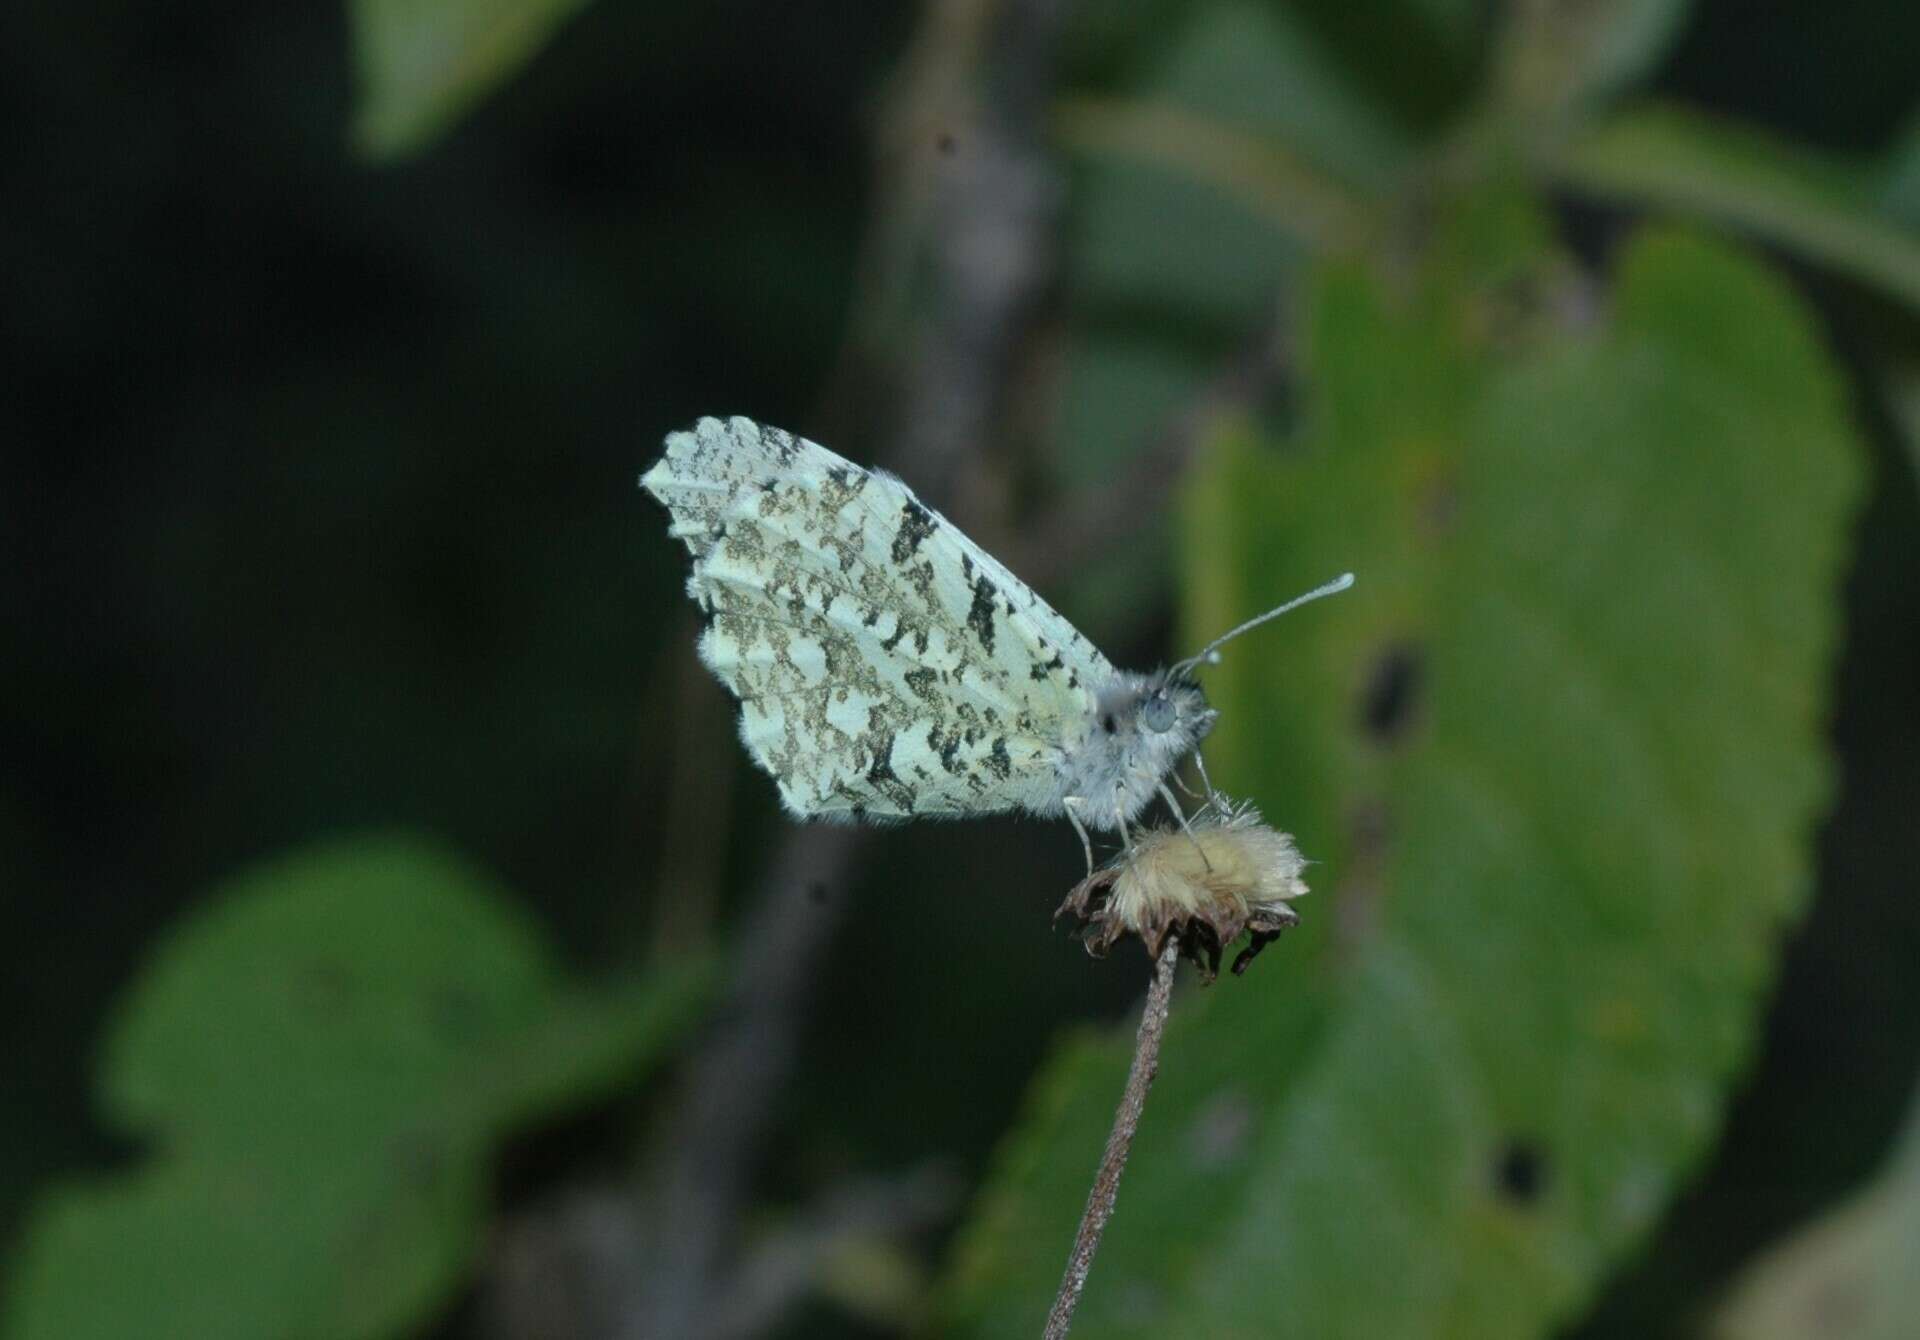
{"x": 321, "y": 1062}
{"x": 1850, "y": 1276}
{"x": 423, "y": 63}
{"x": 1675, "y": 160}
{"x": 1600, "y": 566}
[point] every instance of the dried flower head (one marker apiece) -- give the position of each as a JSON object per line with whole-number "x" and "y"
{"x": 1228, "y": 873}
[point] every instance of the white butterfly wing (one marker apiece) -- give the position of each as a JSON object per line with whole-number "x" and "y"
{"x": 886, "y": 666}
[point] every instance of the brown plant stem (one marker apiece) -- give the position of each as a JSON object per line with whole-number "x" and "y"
{"x": 1106, "y": 1181}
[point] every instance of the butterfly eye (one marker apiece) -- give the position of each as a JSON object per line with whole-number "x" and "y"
{"x": 1157, "y": 713}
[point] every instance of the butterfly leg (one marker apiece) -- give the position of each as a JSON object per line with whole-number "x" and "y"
{"x": 1120, "y": 815}
{"x": 1212, "y": 795}
{"x": 1167, "y": 794}
{"x": 1072, "y": 804}
{"x": 1173, "y": 803}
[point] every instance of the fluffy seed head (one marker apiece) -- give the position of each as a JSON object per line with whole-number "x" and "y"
{"x": 1231, "y": 874}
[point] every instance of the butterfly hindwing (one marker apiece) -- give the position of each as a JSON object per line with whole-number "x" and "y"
{"x": 886, "y": 666}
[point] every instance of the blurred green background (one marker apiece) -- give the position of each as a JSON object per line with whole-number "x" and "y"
{"x": 399, "y": 944}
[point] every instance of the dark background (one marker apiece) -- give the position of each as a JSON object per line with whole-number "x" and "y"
{"x": 318, "y": 512}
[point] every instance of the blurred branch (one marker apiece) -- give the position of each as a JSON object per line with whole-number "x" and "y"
{"x": 1553, "y": 60}
{"x": 703, "y": 1165}
{"x": 784, "y": 1270}
{"x": 692, "y": 837}
{"x": 1262, "y": 174}
{"x": 1126, "y": 1121}
{"x": 990, "y": 249}
{"x": 1669, "y": 158}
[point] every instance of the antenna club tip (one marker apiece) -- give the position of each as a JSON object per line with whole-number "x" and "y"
{"x": 1343, "y": 581}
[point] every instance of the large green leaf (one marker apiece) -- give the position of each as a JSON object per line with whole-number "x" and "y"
{"x": 1559, "y": 757}
{"x": 1849, "y": 1276}
{"x": 321, "y": 1062}
{"x": 423, "y": 63}
{"x": 1828, "y": 212}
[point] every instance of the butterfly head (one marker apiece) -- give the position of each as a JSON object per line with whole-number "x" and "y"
{"x": 1175, "y": 706}
{"x": 1142, "y": 726}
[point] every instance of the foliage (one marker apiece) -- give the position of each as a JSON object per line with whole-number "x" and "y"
{"x": 424, "y": 63}
{"x": 1560, "y": 757}
{"x": 321, "y": 1065}
{"x": 1553, "y": 878}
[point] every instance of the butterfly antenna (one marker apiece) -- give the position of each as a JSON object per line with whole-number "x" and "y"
{"x": 1210, "y": 653}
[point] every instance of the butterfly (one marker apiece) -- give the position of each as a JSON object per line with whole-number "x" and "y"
{"x": 889, "y": 668}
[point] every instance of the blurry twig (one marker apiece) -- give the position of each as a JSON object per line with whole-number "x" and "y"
{"x": 1285, "y": 189}
{"x": 699, "y": 803}
{"x": 1106, "y": 1181}
{"x": 704, "y": 1162}
{"x": 783, "y": 1270}
{"x": 991, "y": 247}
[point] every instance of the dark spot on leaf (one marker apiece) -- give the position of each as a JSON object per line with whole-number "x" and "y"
{"x": 817, "y": 893}
{"x": 1437, "y": 507}
{"x": 1520, "y": 1171}
{"x": 1108, "y": 724}
{"x": 326, "y": 984}
{"x": 1393, "y": 693}
{"x": 945, "y": 142}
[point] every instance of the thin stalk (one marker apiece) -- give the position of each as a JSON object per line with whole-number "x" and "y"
{"x": 1106, "y": 1182}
